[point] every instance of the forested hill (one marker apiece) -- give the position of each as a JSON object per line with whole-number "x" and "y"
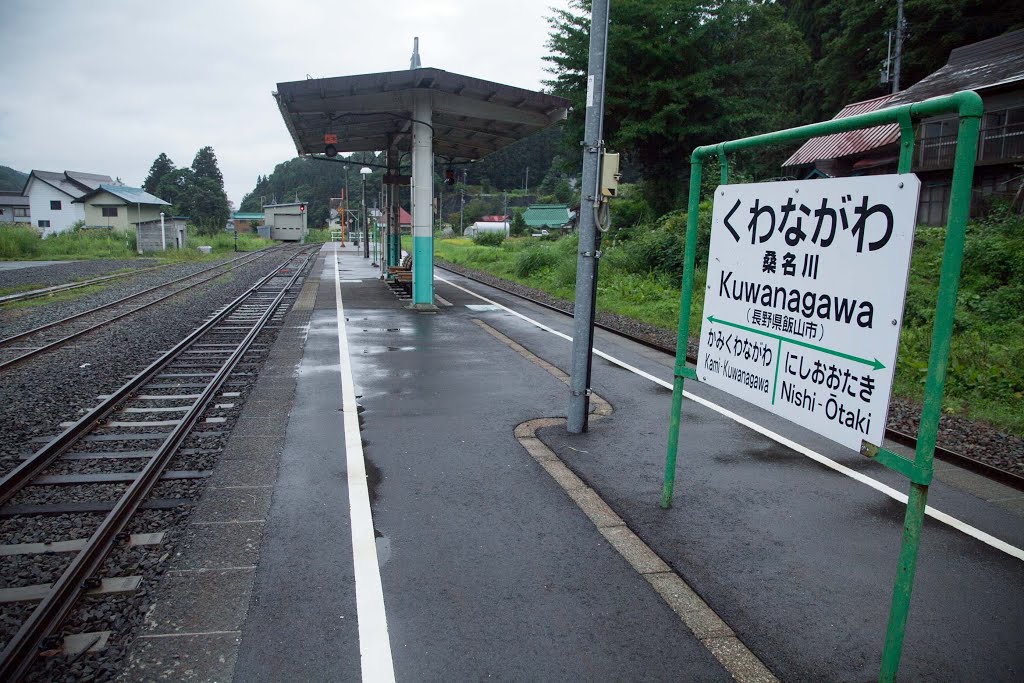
{"x": 506, "y": 169}
{"x": 314, "y": 182}
{"x": 11, "y": 180}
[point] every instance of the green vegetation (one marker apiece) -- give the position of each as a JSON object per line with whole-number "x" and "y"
{"x": 24, "y": 243}
{"x": 222, "y": 242}
{"x": 318, "y": 235}
{"x": 196, "y": 192}
{"x": 68, "y": 295}
{"x": 642, "y": 265}
{"x": 723, "y": 70}
{"x": 12, "y": 180}
{"x": 18, "y": 242}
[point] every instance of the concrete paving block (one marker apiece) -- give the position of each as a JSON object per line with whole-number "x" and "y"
{"x": 201, "y": 601}
{"x": 218, "y": 546}
{"x": 200, "y": 658}
{"x": 230, "y": 505}
{"x": 636, "y": 552}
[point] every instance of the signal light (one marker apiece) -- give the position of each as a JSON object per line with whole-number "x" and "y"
{"x": 330, "y": 151}
{"x": 449, "y": 177}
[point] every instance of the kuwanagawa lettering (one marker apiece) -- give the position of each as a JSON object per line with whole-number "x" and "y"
{"x": 748, "y": 379}
{"x": 806, "y": 303}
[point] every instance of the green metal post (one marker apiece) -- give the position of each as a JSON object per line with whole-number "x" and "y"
{"x": 683, "y": 336}
{"x": 949, "y": 280}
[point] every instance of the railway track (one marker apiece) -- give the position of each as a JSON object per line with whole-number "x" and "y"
{"x": 999, "y": 474}
{"x": 25, "y": 345}
{"x": 56, "y": 289}
{"x": 117, "y": 457}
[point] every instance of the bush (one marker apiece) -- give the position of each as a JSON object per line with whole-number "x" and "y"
{"x": 489, "y": 239}
{"x": 18, "y": 242}
{"x": 529, "y": 261}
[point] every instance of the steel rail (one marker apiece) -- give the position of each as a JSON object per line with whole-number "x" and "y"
{"x": 55, "y": 289}
{"x": 64, "y": 340}
{"x": 992, "y": 472}
{"x": 41, "y": 459}
{"x": 22, "y": 650}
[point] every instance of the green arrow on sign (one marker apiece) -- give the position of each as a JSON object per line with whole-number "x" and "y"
{"x": 875, "y": 364}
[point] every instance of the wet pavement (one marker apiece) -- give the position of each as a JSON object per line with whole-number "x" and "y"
{"x": 492, "y": 565}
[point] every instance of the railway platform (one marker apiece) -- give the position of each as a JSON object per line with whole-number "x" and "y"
{"x": 400, "y": 499}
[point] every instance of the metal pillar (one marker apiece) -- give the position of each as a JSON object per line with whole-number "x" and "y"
{"x": 586, "y": 259}
{"x": 394, "y": 251}
{"x": 366, "y": 225}
{"x": 422, "y": 202}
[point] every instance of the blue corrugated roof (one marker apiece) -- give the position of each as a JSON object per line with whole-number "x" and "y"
{"x": 132, "y": 195}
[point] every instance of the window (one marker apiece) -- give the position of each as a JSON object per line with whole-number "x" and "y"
{"x": 44, "y": 224}
{"x": 110, "y": 211}
{"x": 20, "y": 213}
{"x": 55, "y": 205}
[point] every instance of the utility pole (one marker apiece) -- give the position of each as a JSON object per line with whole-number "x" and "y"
{"x": 899, "y": 45}
{"x": 462, "y": 208}
{"x": 526, "y": 183}
{"x": 504, "y": 214}
{"x": 586, "y": 259}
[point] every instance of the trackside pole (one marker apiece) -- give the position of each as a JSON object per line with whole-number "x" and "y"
{"x": 586, "y": 259}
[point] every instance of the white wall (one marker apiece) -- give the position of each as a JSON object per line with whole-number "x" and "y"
{"x": 40, "y": 195}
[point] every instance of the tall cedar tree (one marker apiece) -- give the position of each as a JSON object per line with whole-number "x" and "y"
{"x": 848, "y": 43}
{"x": 162, "y": 165}
{"x": 205, "y": 166}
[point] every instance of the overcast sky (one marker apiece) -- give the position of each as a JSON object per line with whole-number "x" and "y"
{"x": 105, "y": 86}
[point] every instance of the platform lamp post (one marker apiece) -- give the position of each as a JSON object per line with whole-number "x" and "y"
{"x": 365, "y": 171}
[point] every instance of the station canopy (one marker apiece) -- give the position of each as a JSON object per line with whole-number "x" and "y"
{"x": 471, "y": 118}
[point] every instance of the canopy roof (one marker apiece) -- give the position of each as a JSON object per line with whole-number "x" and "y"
{"x": 471, "y": 117}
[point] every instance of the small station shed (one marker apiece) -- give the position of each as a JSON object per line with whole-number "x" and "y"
{"x": 287, "y": 222}
{"x": 151, "y": 236}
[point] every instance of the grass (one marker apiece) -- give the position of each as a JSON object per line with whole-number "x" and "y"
{"x": 68, "y": 295}
{"x": 639, "y": 277}
{"x": 23, "y": 243}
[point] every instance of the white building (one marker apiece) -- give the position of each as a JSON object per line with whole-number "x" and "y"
{"x": 52, "y": 198}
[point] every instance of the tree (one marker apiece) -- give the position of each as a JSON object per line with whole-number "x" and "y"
{"x": 162, "y": 165}
{"x": 200, "y": 199}
{"x": 710, "y": 73}
{"x": 205, "y": 166}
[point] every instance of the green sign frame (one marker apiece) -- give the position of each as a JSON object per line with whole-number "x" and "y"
{"x": 967, "y": 105}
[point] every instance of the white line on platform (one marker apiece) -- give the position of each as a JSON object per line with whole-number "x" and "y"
{"x": 374, "y": 642}
{"x": 974, "y": 532}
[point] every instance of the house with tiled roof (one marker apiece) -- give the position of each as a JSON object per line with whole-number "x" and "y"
{"x": 119, "y": 206}
{"x": 994, "y": 69}
{"x": 14, "y": 207}
{"x": 51, "y": 197}
{"x": 553, "y": 216}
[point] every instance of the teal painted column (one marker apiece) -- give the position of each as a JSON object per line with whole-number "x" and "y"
{"x": 422, "y": 202}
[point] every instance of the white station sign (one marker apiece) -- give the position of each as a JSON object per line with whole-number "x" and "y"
{"x": 804, "y": 299}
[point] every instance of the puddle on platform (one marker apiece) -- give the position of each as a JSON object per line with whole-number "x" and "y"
{"x": 383, "y": 548}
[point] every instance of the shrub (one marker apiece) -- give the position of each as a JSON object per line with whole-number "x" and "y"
{"x": 18, "y": 241}
{"x": 489, "y": 239}
{"x": 529, "y": 261}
